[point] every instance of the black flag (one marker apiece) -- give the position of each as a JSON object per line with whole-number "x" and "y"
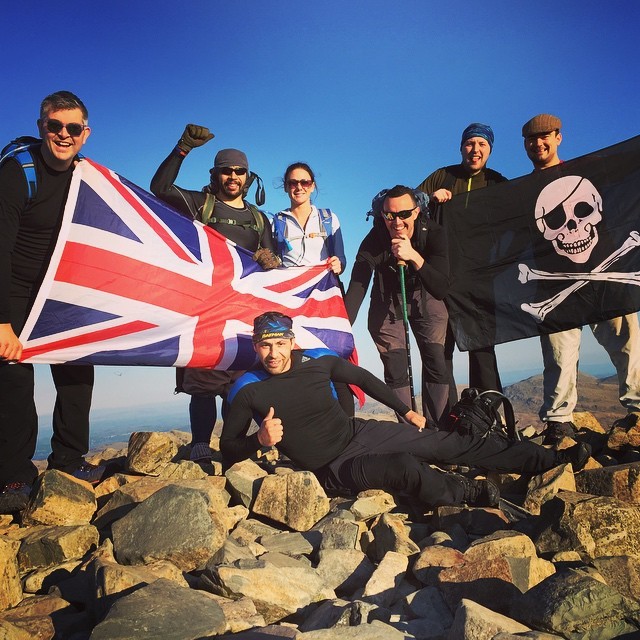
{"x": 549, "y": 251}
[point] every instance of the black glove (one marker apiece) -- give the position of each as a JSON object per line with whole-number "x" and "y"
{"x": 194, "y": 136}
{"x": 266, "y": 259}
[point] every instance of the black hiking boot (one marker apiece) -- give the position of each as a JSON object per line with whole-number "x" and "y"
{"x": 555, "y": 431}
{"x": 14, "y": 497}
{"x": 480, "y": 493}
{"x": 577, "y": 455}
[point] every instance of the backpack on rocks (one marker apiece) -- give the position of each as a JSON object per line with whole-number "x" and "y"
{"x": 478, "y": 413}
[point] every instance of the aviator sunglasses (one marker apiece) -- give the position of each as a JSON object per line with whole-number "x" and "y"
{"x": 74, "y": 129}
{"x": 392, "y": 215}
{"x": 305, "y": 184}
{"x": 227, "y": 171}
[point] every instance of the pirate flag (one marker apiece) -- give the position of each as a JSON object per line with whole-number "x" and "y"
{"x": 549, "y": 251}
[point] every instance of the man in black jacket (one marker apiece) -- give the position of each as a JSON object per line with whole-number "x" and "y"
{"x": 444, "y": 183}
{"x": 30, "y": 223}
{"x": 403, "y": 233}
{"x": 290, "y": 395}
{"x": 222, "y": 206}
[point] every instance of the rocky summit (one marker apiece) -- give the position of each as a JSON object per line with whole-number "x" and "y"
{"x": 166, "y": 549}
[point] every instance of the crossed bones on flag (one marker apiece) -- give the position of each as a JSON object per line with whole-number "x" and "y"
{"x": 539, "y": 310}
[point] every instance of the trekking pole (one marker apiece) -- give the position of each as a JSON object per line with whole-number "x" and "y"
{"x": 402, "y": 265}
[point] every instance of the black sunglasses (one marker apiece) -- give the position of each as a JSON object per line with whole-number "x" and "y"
{"x": 74, "y": 129}
{"x": 227, "y": 171}
{"x": 403, "y": 215}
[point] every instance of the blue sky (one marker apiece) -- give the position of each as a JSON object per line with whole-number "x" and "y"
{"x": 369, "y": 93}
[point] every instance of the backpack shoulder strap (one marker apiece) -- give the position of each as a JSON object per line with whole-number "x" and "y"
{"x": 21, "y": 150}
{"x": 257, "y": 216}
{"x": 207, "y": 207}
{"x": 280, "y": 233}
{"x": 507, "y": 407}
{"x": 326, "y": 218}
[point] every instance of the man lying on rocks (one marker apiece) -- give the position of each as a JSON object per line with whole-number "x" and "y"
{"x": 290, "y": 395}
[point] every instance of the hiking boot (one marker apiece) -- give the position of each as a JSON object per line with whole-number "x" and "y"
{"x": 91, "y": 473}
{"x": 628, "y": 422}
{"x": 201, "y": 453}
{"x": 577, "y": 455}
{"x": 14, "y": 497}
{"x": 480, "y": 493}
{"x": 555, "y": 431}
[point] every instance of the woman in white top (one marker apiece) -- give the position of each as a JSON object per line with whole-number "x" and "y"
{"x": 304, "y": 234}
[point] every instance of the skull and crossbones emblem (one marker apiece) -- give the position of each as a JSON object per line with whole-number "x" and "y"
{"x": 567, "y": 213}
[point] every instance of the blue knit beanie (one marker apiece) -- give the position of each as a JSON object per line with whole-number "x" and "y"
{"x": 477, "y": 129}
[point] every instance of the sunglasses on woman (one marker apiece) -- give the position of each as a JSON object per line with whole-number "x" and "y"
{"x": 305, "y": 184}
{"x": 74, "y": 129}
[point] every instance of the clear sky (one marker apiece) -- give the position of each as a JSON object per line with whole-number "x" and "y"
{"x": 370, "y": 94}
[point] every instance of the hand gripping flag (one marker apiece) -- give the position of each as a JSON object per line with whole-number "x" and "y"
{"x": 549, "y": 251}
{"x": 132, "y": 282}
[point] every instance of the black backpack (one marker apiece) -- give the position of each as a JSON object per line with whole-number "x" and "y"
{"x": 477, "y": 413}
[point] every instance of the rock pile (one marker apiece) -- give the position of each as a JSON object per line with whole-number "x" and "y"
{"x": 165, "y": 549}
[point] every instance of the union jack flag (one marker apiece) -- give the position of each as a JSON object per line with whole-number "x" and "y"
{"x": 132, "y": 282}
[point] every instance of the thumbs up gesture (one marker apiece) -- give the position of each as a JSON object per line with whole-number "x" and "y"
{"x": 270, "y": 431}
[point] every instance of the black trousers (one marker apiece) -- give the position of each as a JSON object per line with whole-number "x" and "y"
{"x": 483, "y": 368}
{"x": 395, "y": 457}
{"x": 19, "y": 420}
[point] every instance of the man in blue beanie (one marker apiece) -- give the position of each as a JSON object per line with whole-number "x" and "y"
{"x": 472, "y": 173}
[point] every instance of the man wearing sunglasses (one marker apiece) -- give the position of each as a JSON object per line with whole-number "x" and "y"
{"x": 402, "y": 232}
{"x": 560, "y": 351}
{"x": 222, "y": 206}
{"x": 30, "y": 219}
{"x": 471, "y": 173}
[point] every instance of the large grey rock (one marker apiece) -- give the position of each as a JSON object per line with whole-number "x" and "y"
{"x": 489, "y": 582}
{"x": 60, "y": 499}
{"x": 391, "y": 535}
{"x": 372, "y": 503}
{"x": 46, "y": 546}
{"x": 10, "y": 587}
{"x": 150, "y": 451}
{"x": 344, "y": 570}
{"x": 593, "y": 526}
{"x": 381, "y": 588}
{"x": 428, "y": 604}
{"x": 290, "y": 543}
{"x": 577, "y": 606}
{"x": 432, "y": 560}
{"x": 277, "y": 593}
{"x": 619, "y": 481}
{"x": 475, "y": 622}
{"x": 343, "y": 613}
{"x": 41, "y": 580}
{"x": 295, "y": 499}
{"x": 162, "y": 610}
{"x": 243, "y": 481}
{"x": 376, "y": 630}
{"x": 176, "y": 523}
{"x": 544, "y": 486}
{"x": 622, "y": 573}
{"x": 44, "y": 617}
{"x": 339, "y": 533}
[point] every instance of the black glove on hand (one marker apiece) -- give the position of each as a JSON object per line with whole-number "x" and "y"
{"x": 266, "y": 259}
{"x": 194, "y": 136}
